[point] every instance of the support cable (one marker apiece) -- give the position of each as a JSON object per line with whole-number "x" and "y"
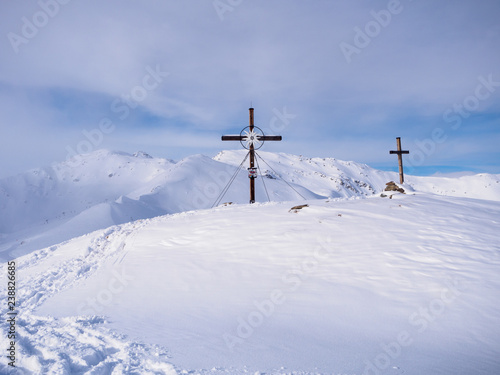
{"x": 228, "y": 185}
{"x": 262, "y": 177}
{"x": 281, "y": 178}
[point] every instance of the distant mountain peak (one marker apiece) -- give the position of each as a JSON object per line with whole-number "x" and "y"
{"x": 142, "y": 154}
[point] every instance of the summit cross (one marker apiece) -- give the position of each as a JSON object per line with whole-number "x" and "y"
{"x": 252, "y": 138}
{"x": 400, "y": 152}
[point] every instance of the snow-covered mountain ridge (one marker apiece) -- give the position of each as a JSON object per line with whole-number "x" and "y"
{"x": 46, "y": 206}
{"x": 336, "y": 178}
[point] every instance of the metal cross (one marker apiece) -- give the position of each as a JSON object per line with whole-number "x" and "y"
{"x": 252, "y": 138}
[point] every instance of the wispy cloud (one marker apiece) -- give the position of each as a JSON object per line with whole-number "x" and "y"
{"x": 274, "y": 54}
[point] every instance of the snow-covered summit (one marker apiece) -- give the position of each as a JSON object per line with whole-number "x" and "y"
{"x": 343, "y": 285}
{"x": 93, "y": 191}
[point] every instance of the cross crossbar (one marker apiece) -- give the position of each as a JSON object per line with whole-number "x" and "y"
{"x": 259, "y": 137}
{"x": 232, "y": 137}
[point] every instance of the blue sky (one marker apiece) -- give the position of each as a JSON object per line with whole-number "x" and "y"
{"x": 337, "y": 79}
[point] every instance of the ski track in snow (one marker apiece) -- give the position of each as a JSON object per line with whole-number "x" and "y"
{"x": 76, "y": 345}
{"x": 81, "y": 344}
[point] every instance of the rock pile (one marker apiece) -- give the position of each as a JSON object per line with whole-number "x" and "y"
{"x": 391, "y": 186}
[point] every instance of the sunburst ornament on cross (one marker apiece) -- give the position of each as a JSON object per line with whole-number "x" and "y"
{"x": 252, "y": 138}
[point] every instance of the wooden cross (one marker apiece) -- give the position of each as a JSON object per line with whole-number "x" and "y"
{"x": 400, "y": 152}
{"x": 252, "y": 138}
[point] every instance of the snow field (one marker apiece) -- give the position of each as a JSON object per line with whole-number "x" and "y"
{"x": 363, "y": 286}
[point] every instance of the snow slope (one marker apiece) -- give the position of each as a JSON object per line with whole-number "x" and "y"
{"x": 47, "y": 206}
{"x": 358, "y": 286}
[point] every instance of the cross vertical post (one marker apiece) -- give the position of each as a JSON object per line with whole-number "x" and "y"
{"x": 252, "y": 158}
{"x": 400, "y": 153}
{"x": 252, "y": 139}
